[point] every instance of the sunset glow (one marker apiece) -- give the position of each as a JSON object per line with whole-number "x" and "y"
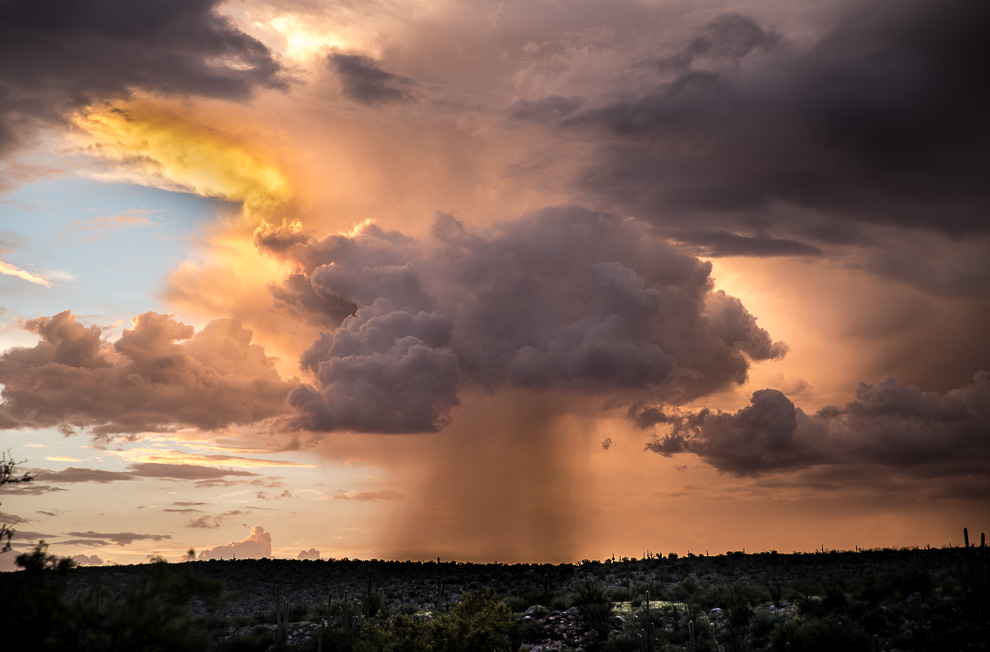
{"x": 530, "y": 281}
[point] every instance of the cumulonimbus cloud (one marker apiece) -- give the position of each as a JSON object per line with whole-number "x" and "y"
{"x": 563, "y": 298}
{"x": 160, "y": 374}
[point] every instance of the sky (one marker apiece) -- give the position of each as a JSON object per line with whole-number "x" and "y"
{"x": 525, "y": 281}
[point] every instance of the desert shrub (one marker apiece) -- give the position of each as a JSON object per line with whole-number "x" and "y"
{"x": 593, "y": 601}
{"x": 401, "y": 633}
{"x": 620, "y": 594}
{"x": 517, "y": 603}
{"x": 821, "y": 635}
{"x": 480, "y": 621}
{"x": 623, "y": 643}
{"x": 252, "y": 641}
{"x": 529, "y": 631}
{"x": 686, "y": 590}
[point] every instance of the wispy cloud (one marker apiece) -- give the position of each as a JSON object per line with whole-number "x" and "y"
{"x": 11, "y": 270}
{"x": 98, "y": 228}
{"x": 370, "y": 496}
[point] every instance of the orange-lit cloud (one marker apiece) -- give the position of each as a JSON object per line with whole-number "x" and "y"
{"x": 11, "y": 270}
{"x": 140, "y": 455}
{"x": 157, "y": 143}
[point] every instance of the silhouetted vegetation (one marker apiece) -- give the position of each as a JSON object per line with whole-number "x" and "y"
{"x": 909, "y": 599}
{"x": 7, "y": 476}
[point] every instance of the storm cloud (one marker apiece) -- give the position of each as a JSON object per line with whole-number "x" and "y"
{"x": 562, "y": 298}
{"x": 159, "y": 375}
{"x": 882, "y": 119}
{"x": 888, "y": 424}
{"x": 59, "y": 55}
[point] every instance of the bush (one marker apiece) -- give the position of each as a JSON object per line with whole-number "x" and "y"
{"x": 821, "y": 635}
{"x": 480, "y": 621}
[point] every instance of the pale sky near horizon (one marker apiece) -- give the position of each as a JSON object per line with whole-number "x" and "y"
{"x": 520, "y": 281}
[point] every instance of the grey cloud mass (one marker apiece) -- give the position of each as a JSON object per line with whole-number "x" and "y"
{"x": 366, "y": 83}
{"x": 889, "y": 424}
{"x": 57, "y": 55}
{"x": 882, "y": 119}
{"x": 563, "y": 298}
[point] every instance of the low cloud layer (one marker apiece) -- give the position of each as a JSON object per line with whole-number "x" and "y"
{"x": 888, "y": 425}
{"x": 563, "y": 298}
{"x": 159, "y": 375}
{"x": 111, "y": 538}
{"x": 258, "y": 544}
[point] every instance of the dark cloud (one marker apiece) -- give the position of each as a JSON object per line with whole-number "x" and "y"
{"x": 159, "y": 375}
{"x": 73, "y": 474}
{"x": 30, "y": 489}
{"x": 563, "y": 298}
{"x": 136, "y": 471}
{"x": 58, "y": 55}
{"x": 120, "y": 538}
{"x": 544, "y": 109}
{"x": 184, "y": 471}
{"x": 209, "y": 522}
{"x": 366, "y": 83}
{"x": 883, "y": 119}
{"x": 28, "y": 535}
{"x": 895, "y": 426}
{"x": 11, "y": 519}
{"x": 723, "y": 243}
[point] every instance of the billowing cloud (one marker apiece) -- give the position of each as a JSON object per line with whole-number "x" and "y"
{"x": 159, "y": 375}
{"x": 57, "y": 55}
{"x": 87, "y": 560}
{"x": 890, "y": 425}
{"x": 563, "y": 298}
{"x": 312, "y": 554}
{"x": 257, "y": 544}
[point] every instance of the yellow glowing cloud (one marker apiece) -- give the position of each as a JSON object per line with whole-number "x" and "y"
{"x": 158, "y": 144}
{"x": 307, "y": 33}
